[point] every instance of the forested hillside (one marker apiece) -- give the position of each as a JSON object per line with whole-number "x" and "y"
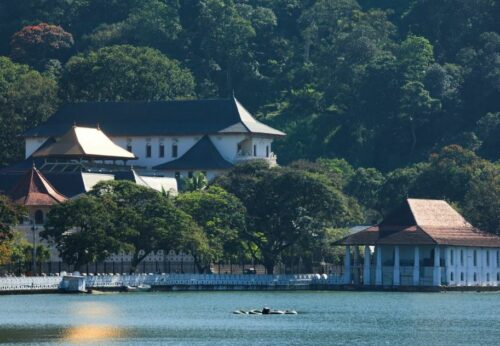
{"x": 378, "y": 83}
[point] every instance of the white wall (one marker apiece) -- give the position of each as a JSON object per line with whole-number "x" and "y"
{"x": 467, "y": 273}
{"x": 32, "y": 144}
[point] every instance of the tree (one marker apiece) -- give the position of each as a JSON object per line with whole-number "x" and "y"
{"x": 36, "y": 44}
{"x": 125, "y": 73}
{"x": 10, "y": 215}
{"x": 26, "y": 99}
{"x": 153, "y": 23}
{"x": 286, "y": 208}
{"x": 195, "y": 183}
{"x": 147, "y": 221}
{"x": 221, "y": 216}
{"x": 84, "y": 230}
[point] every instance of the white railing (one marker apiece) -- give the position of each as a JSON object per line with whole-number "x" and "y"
{"x": 30, "y": 283}
{"x": 135, "y": 280}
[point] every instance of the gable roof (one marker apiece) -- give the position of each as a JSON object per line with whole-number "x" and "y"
{"x": 163, "y": 118}
{"x": 34, "y": 190}
{"x": 84, "y": 142}
{"x": 423, "y": 222}
{"x": 202, "y": 156}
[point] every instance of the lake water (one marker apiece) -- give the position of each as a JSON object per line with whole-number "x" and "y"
{"x": 205, "y": 318}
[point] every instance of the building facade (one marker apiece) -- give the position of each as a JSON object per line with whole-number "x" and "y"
{"x": 423, "y": 243}
{"x": 162, "y": 135}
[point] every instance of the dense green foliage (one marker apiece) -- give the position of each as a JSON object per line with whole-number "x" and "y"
{"x": 286, "y": 209}
{"x": 119, "y": 216}
{"x": 10, "y": 215}
{"x": 385, "y": 99}
{"x": 379, "y": 83}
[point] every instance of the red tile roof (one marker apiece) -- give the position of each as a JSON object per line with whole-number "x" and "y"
{"x": 423, "y": 222}
{"x": 34, "y": 190}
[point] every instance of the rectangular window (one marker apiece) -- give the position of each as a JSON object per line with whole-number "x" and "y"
{"x": 452, "y": 259}
{"x": 161, "y": 151}
{"x": 267, "y": 150}
{"x": 475, "y": 259}
{"x": 238, "y": 147}
{"x": 254, "y": 150}
{"x": 174, "y": 150}
{"x": 461, "y": 257}
{"x": 487, "y": 258}
{"x": 148, "y": 150}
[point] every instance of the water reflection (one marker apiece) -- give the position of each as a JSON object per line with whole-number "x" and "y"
{"x": 91, "y": 333}
{"x": 91, "y": 313}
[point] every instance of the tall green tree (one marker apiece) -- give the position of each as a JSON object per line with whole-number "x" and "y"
{"x": 27, "y": 98}
{"x": 286, "y": 208}
{"x": 221, "y": 216}
{"x": 125, "y": 73}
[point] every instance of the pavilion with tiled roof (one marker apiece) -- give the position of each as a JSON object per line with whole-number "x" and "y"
{"x": 36, "y": 193}
{"x": 424, "y": 243}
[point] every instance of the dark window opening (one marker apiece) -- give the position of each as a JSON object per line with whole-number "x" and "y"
{"x": 267, "y": 150}
{"x": 162, "y": 150}
{"x": 461, "y": 276}
{"x": 148, "y": 150}
{"x": 254, "y": 150}
{"x": 177, "y": 175}
{"x": 129, "y": 147}
{"x": 451, "y": 276}
{"x": 475, "y": 259}
{"x": 487, "y": 258}
{"x": 39, "y": 217}
{"x": 462, "y": 257}
{"x": 475, "y": 277}
{"x": 190, "y": 174}
{"x": 174, "y": 150}
{"x": 238, "y": 147}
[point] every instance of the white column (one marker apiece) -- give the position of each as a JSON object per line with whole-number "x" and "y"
{"x": 447, "y": 264}
{"x": 378, "y": 270}
{"x": 366, "y": 268}
{"x": 416, "y": 267}
{"x": 356, "y": 265}
{"x": 436, "y": 278}
{"x": 396, "y": 278}
{"x": 347, "y": 265}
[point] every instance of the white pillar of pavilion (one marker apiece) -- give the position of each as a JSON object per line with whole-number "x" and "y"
{"x": 347, "y": 265}
{"x": 378, "y": 269}
{"x": 356, "y": 265}
{"x": 436, "y": 277}
{"x": 397, "y": 272}
{"x": 416, "y": 267}
{"x": 366, "y": 267}
{"x": 447, "y": 264}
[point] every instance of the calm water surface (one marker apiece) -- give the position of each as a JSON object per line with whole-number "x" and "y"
{"x": 205, "y": 318}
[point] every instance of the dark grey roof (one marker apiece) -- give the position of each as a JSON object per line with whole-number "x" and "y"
{"x": 202, "y": 156}
{"x": 141, "y": 118}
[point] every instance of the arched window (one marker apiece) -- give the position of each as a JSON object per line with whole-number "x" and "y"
{"x": 39, "y": 217}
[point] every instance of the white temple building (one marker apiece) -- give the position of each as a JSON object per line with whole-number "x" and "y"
{"x": 175, "y": 138}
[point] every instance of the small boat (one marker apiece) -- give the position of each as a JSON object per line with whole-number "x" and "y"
{"x": 265, "y": 311}
{"x": 140, "y": 288}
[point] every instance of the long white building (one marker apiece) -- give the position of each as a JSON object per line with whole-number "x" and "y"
{"x": 423, "y": 243}
{"x": 176, "y": 138}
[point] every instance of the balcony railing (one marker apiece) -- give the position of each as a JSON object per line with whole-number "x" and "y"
{"x": 247, "y": 156}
